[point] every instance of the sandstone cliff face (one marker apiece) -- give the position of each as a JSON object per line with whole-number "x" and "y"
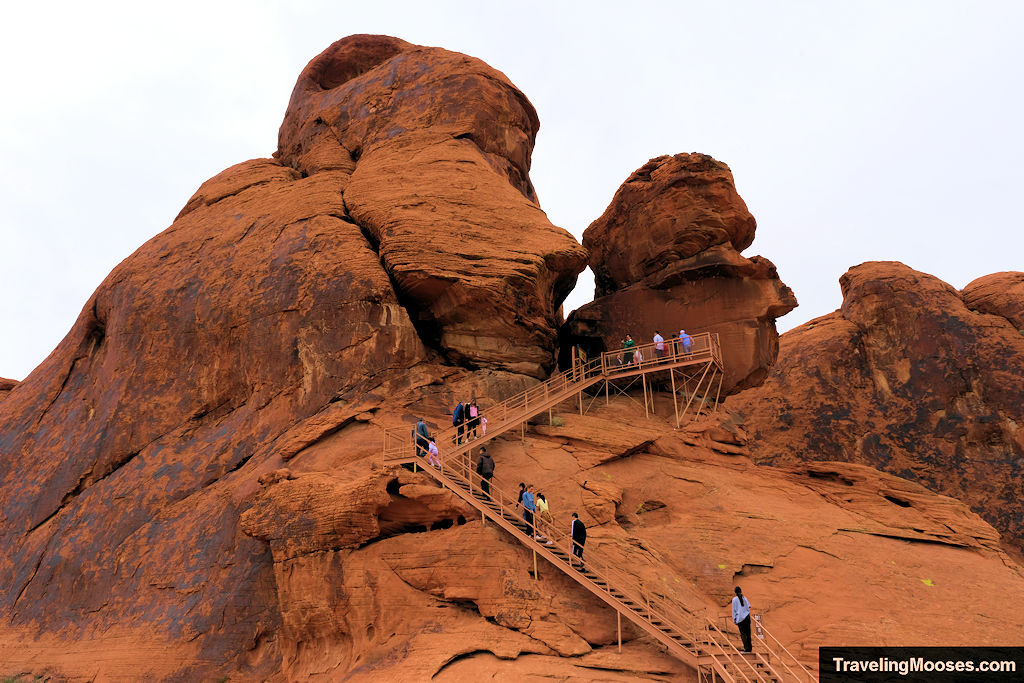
{"x": 828, "y": 552}
{"x": 435, "y": 149}
{"x": 277, "y": 309}
{"x": 909, "y": 376}
{"x": 666, "y": 256}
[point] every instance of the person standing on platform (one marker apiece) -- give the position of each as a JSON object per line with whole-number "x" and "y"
{"x": 627, "y": 350}
{"x": 485, "y": 468}
{"x": 578, "y": 533}
{"x": 686, "y": 341}
{"x": 659, "y": 344}
{"x": 741, "y": 617}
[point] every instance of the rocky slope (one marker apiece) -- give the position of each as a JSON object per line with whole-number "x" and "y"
{"x": 912, "y": 377}
{"x": 666, "y": 256}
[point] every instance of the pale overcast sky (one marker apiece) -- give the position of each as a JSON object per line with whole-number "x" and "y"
{"x": 855, "y": 130}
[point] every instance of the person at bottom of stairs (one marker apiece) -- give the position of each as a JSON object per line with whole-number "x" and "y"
{"x": 741, "y": 617}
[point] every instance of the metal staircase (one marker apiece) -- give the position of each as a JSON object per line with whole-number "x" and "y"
{"x": 705, "y": 356}
{"x": 694, "y": 639}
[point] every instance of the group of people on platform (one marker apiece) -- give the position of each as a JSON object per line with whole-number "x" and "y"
{"x": 681, "y": 345}
{"x": 466, "y": 419}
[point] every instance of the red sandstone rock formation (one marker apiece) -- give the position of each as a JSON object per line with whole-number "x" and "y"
{"x": 189, "y": 484}
{"x": 433, "y": 149}
{"x": 289, "y": 297}
{"x": 909, "y": 376}
{"x": 6, "y": 385}
{"x": 666, "y": 256}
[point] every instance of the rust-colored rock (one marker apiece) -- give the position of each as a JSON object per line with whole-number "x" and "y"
{"x": 909, "y": 376}
{"x": 438, "y": 147}
{"x": 671, "y": 209}
{"x": 6, "y": 385}
{"x": 190, "y": 484}
{"x": 1000, "y": 294}
{"x": 278, "y": 312}
{"x": 666, "y": 256}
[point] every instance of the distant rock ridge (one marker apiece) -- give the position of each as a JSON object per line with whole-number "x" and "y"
{"x": 909, "y": 376}
{"x": 666, "y": 256}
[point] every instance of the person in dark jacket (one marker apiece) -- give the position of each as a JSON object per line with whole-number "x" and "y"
{"x": 458, "y": 421}
{"x": 578, "y": 532}
{"x": 422, "y": 437}
{"x": 485, "y": 468}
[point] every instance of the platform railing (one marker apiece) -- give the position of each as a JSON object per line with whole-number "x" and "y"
{"x": 511, "y": 412}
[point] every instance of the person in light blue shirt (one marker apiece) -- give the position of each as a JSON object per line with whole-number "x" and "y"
{"x": 741, "y": 617}
{"x": 529, "y": 511}
{"x": 686, "y": 340}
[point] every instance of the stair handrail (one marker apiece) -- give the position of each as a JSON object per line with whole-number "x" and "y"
{"x": 705, "y": 346}
{"x": 804, "y": 672}
{"x": 399, "y": 441}
{"x": 736, "y": 654}
{"x": 613, "y": 579}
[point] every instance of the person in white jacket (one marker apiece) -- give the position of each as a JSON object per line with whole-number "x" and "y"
{"x": 741, "y": 617}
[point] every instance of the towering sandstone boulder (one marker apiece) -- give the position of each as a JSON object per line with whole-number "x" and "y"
{"x": 909, "y": 376}
{"x": 666, "y": 256}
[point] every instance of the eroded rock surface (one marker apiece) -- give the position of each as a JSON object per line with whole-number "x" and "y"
{"x": 909, "y": 376}
{"x": 190, "y": 484}
{"x": 666, "y": 256}
{"x": 435, "y": 147}
{"x": 392, "y": 242}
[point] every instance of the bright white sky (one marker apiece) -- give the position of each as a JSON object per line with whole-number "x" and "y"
{"x": 856, "y": 131}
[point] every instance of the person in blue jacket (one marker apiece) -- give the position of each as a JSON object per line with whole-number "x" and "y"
{"x": 458, "y": 421}
{"x": 529, "y": 510}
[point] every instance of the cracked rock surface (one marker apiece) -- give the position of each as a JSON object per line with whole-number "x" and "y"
{"x": 666, "y": 255}
{"x": 912, "y": 377}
